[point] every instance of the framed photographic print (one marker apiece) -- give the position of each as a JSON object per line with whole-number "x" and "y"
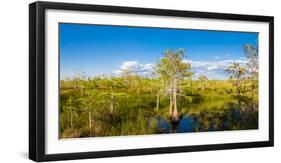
{"x": 117, "y": 81}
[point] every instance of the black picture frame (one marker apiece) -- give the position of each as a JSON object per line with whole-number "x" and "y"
{"x": 37, "y": 80}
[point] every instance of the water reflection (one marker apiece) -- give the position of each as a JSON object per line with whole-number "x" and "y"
{"x": 206, "y": 121}
{"x": 185, "y": 124}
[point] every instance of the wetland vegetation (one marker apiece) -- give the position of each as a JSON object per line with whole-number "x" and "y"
{"x": 169, "y": 100}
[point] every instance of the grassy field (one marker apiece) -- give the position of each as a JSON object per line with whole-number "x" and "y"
{"x": 134, "y": 105}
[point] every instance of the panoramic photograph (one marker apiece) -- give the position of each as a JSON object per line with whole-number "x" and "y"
{"x": 122, "y": 80}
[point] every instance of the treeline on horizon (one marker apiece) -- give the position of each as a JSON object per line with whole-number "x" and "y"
{"x": 131, "y": 104}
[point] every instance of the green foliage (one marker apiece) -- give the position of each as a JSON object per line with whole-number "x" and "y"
{"x": 172, "y": 66}
{"x": 133, "y": 114}
{"x": 132, "y": 105}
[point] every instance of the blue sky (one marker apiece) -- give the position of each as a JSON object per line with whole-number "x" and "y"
{"x": 98, "y": 49}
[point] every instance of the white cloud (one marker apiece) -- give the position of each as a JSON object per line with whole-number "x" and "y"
{"x": 210, "y": 65}
{"x": 211, "y": 69}
{"x": 127, "y": 65}
{"x": 136, "y": 68}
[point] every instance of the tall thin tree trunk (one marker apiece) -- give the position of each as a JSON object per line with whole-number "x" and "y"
{"x": 111, "y": 108}
{"x": 175, "y": 112}
{"x": 239, "y": 100}
{"x": 90, "y": 122}
{"x": 171, "y": 100}
{"x": 252, "y": 95}
{"x": 111, "y": 102}
{"x": 71, "y": 119}
{"x": 157, "y": 103}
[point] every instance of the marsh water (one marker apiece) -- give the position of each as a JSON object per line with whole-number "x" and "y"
{"x": 230, "y": 120}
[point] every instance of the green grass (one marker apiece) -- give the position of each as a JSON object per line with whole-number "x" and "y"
{"x": 134, "y": 102}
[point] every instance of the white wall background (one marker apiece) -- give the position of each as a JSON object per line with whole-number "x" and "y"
{"x": 14, "y": 79}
